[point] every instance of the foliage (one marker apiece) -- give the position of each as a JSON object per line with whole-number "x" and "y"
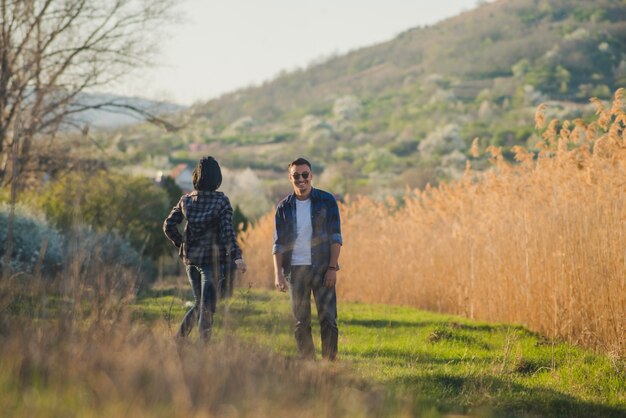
{"x": 580, "y": 58}
{"x": 442, "y": 142}
{"x": 133, "y": 207}
{"x": 348, "y": 111}
{"x": 41, "y": 249}
{"x": 347, "y": 108}
{"x": 455, "y": 49}
{"x": 34, "y": 241}
{"x": 246, "y": 191}
{"x": 173, "y": 191}
{"x": 379, "y": 160}
{"x": 240, "y": 221}
{"x": 93, "y": 250}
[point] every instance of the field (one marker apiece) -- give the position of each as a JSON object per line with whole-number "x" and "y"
{"x": 112, "y": 356}
{"x": 483, "y": 265}
{"x": 525, "y": 264}
{"x": 539, "y": 242}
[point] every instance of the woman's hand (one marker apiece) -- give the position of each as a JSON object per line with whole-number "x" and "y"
{"x": 280, "y": 282}
{"x": 241, "y": 265}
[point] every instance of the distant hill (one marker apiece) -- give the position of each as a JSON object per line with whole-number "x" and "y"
{"x": 115, "y": 110}
{"x": 564, "y": 48}
{"x": 405, "y": 112}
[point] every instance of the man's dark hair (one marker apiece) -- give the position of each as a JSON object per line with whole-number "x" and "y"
{"x": 299, "y": 161}
{"x": 207, "y": 176}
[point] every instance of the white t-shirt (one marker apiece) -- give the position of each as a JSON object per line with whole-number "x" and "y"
{"x": 304, "y": 232}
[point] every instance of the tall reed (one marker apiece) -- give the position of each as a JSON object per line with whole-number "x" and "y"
{"x": 541, "y": 242}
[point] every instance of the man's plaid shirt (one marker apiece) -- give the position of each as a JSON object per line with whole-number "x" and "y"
{"x": 209, "y": 228}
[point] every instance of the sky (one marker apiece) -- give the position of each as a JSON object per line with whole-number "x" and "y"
{"x": 223, "y": 45}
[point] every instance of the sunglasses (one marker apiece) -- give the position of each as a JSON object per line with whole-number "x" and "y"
{"x": 296, "y": 176}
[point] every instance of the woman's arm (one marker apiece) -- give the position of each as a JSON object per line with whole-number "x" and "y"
{"x": 227, "y": 232}
{"x": 170, "y": 225}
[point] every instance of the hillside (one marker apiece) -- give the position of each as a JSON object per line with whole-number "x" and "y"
{"x": 405, "y": 112}
{"x": 471, "y": 51}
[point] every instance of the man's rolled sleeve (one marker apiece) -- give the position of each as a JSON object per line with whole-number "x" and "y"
{"x": 335, "y": 224}
{"x": 277, "y": 248}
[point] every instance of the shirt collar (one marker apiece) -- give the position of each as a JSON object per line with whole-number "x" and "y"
{"x": 312, "y": 196}
{"x": 202, "y": 193}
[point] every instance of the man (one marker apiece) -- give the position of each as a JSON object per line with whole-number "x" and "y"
{"x": 307, "y": 242}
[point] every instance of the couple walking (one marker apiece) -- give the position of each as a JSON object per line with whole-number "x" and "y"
{"x": 307, "y": 243}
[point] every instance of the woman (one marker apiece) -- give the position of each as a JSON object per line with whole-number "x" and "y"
{"x": 209, "y": 228}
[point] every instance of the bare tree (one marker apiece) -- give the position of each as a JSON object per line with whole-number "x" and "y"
{"x": 51, "y": 51}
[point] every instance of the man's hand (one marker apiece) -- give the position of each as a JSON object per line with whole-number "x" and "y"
{"x": 330, "y": 278}
{"x": 241, "y": 265}
{"x": 280, "y": 282}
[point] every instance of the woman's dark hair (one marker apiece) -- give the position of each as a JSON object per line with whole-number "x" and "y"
{"x": 207, "y": 176}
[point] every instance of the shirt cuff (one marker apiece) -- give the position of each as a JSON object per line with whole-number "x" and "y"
{"x": 336, "y": 238}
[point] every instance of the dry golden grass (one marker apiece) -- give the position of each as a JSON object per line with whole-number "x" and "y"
{"x": 541, "y": 242}
{"x": 73, "y": 346}
{"x": 70, "y": 351}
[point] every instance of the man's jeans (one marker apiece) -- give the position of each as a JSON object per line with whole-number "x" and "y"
{"x": 205, "y": 301}
{"x": 302, "y": 281}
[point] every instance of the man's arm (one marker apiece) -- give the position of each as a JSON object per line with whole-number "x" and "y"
{"x": 336, "y": 241}
{"x": 334, "y": 224}
{"x": 335, "y": 249}
{"x": 279, "y": 276}
{"x": 277, "y": 251}
{"x": 330, "y": 278}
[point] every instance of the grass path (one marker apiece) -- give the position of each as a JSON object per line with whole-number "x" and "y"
{"x": 432, "y": 364}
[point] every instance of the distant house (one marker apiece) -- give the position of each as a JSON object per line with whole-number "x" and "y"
{"x": 182, "y": 176}
{"x": 198, "y": 148}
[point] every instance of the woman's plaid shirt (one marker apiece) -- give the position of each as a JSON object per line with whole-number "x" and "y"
{"x": 209, "y": 228}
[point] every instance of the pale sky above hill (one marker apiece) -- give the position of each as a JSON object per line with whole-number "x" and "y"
{"x": 223, "y": 45}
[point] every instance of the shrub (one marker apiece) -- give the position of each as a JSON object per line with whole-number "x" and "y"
{"x": 441, "y": 142}
{"x": 107, "y": 257}
{"x": 32, "y": 238}
{"x": 132, "y": 207}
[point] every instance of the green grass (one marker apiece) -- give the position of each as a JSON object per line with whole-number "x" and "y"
{"x": 437, "y": 363}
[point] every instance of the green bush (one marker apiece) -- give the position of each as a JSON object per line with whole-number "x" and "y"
{"x": 107, "y": 256}
{"x": 90, "y": 250}
{"x": 31, "y": 233}
{"x": 131, "y": 207}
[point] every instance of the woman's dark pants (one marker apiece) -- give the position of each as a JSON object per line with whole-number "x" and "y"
{"x": 205, "y": 301}
{"x": 303, "y": 280}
